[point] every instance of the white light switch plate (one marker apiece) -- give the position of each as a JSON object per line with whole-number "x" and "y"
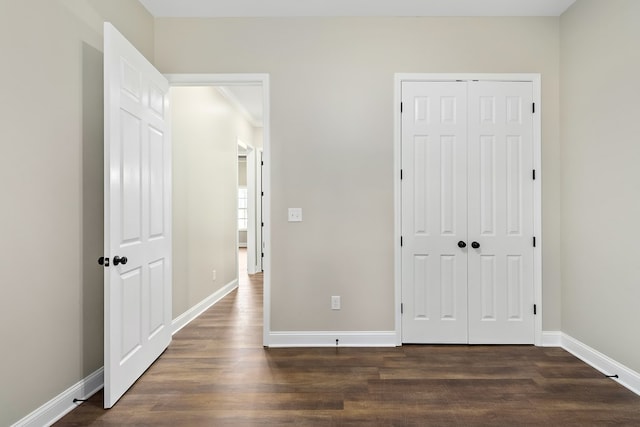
{"x": 295, "y": 214}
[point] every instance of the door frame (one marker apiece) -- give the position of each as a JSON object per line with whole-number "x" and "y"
{"x": 252, "y": 213}
{"x": 535, "y": 79}
{"x": 258, "y": 79}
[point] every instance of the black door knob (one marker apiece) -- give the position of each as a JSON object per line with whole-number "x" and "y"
{"x": 462, "y": 244}
{"x": 475, "y": 245}
{"x": 117, "y": 260}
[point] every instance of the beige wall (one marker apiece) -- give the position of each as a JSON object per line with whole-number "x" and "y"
{"x": 205, "y": 136}
{"x": 51, "y": 133}
{"x": 600, "y": 44}
{"x": 332, "y": 141}
{"x": 332, "y": 147}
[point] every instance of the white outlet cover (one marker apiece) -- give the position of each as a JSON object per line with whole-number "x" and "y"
{"x": 335, "y": 302}
{"x": 295, "y": 214}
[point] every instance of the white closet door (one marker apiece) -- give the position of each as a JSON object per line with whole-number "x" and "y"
{"x": 434, "y": 212}
{"x": 500, "y": 206}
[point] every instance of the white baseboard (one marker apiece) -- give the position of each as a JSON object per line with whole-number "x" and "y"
{"x": 328, "y": 339}
{"x": 551, "y": 339}
{"x": 62, "y": 404}
{"x": 603, "y": 363}
{"x": 185, "y": 318}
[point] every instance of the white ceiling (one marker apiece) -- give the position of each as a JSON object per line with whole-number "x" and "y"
{"x": 291, "y": 8}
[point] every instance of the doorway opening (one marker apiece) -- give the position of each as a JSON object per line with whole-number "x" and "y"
{"x": 249, "y": 203}
{"x": 253, "y": 148}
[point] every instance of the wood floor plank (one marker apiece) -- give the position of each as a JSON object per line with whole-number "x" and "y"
{"x": 217, "y": 373}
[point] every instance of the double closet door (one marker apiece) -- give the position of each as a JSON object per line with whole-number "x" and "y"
{"x": 467, "y": 212}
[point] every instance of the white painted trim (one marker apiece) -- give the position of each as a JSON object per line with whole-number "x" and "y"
{"x": 240, "y": 79}
{"x": 397, "y": 203}
{"x": 448, "y": 77}
{"x": 328, "y": 339}
{"x": 62, "y": 404}
{"x": 188, "y": 316}
{"x": 537, "y": 184}
{"x": 252, "y": 213}
{"x": 603, "y": 363}
{"x": 551, "y": 339}
{"x": 244, "y": 80}
{"x": 537, "y": 206}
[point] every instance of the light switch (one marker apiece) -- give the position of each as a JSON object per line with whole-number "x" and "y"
{"x": 295, "y": 214}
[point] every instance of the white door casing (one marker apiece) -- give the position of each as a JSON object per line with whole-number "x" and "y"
{"x": 259, "y": 220}
{"x": 137, "y": 295}
{"x": 434, "y": 268}
{"x": 499, "y": 275}
{"x": 263, "y": 81}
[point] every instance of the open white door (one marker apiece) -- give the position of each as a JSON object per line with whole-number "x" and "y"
{"x": 137, "y": 280}
{"x": 251, "y": 210}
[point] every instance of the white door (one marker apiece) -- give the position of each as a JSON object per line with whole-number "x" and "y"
{"x": 467, "y": 212}
{"x": 500, "y": 211}
{"x": 259, "y": 221}
{"x": 137, "y": 281}
{"x": 434, "y": 214}
{"x": 251, "y": 211}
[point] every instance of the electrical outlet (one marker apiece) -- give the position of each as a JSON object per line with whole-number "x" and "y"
{"x": 295, "y": 215}
{"x": 335, "y": 302}
{"x": 213, "y": 276}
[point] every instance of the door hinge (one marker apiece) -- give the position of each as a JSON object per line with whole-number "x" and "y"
{"x": 401, "y": 107}
{"x": 261, "y": 163}
{"x": 533, "y": 108}
{"x": 262, "y": 224}
{"x": 534, "y": 174}
{"x": 401, "y": 241}
{"x": 262, "y": 255}
{"x": 262, "y": 193}
{"x": 535, "y": 309}
{"x": 534, "y": 241}
{"x": 400, "y": 174}
{"x": 401, "y": 308}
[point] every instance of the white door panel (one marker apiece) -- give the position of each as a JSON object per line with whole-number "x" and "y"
{"x": 501, "y": 213}
{"x": 434, "y": 267}
{"x": 467, "y": 158}
{"x": 137, "y": 215}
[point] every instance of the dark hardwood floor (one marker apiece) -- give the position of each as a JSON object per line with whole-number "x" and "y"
{"x": 217, "y": 373}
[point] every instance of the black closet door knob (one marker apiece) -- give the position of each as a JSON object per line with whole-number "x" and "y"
{"x": 475, "y": 245}
{"x": 462, "y": 244}
{"x": 117, "y": 260}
